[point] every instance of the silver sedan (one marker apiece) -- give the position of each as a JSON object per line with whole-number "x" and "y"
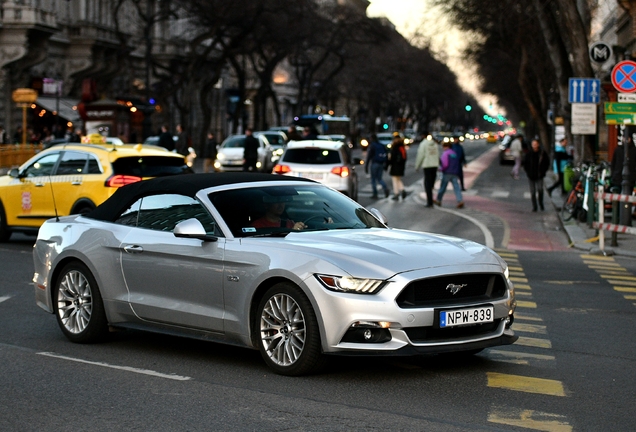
{"x": 287, "y": 266}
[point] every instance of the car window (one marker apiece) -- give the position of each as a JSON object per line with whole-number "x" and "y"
{"x": 43, "y": 166}
{"x": 150, "y": 166}
{"x": 313, "y": 156}
{"x": 94, "y": 167}
{"x": 234, "y": 143}
{"x": 163, "y": 212}
{"x": 318, "y": 207}
{"x": 72, "y": 163}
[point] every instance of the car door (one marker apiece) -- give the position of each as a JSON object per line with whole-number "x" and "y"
{"x": 173, "y": 280}
{"x": 29, "y": 198}
{"x": 67, "y": 183}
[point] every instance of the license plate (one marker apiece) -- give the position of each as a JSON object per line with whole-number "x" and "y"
{"x": 312, "y": 176}
{"x": 459, "y": 317}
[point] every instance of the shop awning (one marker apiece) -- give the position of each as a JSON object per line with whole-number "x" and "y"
{"x": 66, "y": 105}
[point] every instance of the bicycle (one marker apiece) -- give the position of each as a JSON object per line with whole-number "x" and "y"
{"x": 573, "y": 206}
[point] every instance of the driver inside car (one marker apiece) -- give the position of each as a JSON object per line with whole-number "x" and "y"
{"x": 272, "y": 218}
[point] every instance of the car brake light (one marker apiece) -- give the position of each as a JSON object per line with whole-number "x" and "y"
{"x": 121, "y": 180}
{"x": 281, "y": 169}
{"x": 341, "y": 171}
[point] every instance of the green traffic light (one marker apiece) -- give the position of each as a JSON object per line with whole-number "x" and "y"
{"x": 385, "y": 126}
{"x": 468, "y": 107}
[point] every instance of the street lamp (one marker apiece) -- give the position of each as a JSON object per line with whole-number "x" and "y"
{"x": 24, "y": 97}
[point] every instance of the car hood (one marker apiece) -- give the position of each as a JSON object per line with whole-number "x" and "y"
{"x": 383, "y": 253}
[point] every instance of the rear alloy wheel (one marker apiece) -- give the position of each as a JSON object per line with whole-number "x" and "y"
{"x": 78, "y": 305}
{"x": 289, "y": 339}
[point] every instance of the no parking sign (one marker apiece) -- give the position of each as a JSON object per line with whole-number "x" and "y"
{"x": 624, "y": 76}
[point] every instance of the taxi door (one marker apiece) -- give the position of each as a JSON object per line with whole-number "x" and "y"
{"x": 29, "y": 199}
{"x": 67, "y": 183}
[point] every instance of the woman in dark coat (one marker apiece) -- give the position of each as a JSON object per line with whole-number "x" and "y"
{"x": 536, "y": 164}
{"x": 397, "y": 164}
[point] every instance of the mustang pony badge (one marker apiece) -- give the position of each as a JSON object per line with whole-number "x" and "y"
{"x": 454, "y": 289}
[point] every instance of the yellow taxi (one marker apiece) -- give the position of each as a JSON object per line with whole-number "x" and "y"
{"x": 74, "y": 178}
{"x": 492, "y": 137}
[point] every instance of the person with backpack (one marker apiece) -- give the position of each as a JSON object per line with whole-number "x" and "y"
{"x": 450, "y": 166}
{"x": 375, "y": 161}
{"x": 428, "y": 158}
{"x": 397, "y": 165}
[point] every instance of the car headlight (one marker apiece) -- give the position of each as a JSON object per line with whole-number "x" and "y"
{"x": 350, "y": 285}
{"x": 278, "y": 152}
{"x": 220, "y": 156}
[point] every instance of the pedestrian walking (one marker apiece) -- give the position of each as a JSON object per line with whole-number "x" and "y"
{"x": 209, "y": 152}
{"x": 165, "y": 138}
{"x": 376, "y": 160}
{"x": 250, "y": 151}
{"x": 458, "y": 148}
{"x": 561, "y": 160}
{"x": 397, "y": 165}
{"x": 182, "y": 141}
{"x": 516, "y": 150}
{"x": 292, "y": 134}
{"x": 428, "y": 158}
{"x": 536, "y": 165}
{"x": 450, "y": 167}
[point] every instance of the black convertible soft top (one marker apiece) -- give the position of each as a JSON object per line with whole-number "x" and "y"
{"x": 186, "y": 184}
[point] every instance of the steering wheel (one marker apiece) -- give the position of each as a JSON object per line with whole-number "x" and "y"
{"x": 318, "y": 217}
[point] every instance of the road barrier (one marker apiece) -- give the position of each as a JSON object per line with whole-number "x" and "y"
{"x": 13, "y": 155}
{"x": 600, "y": 198}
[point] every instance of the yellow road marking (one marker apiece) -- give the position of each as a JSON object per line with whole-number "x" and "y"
{"x": 624, "y": 289}
{"x": 611, "y": 273}
{"x": 630, "y": 297}
{"x": 619, "y": 282}
{"x": 511, "y": 268}
{"x": 534, "y": 342}
{"x": 601, "y": 264}
{"x": 525, "y": 384}
{"x": 529, "y": 419}
{"x": 517, "y": 274}
{"x": 522, "y": 286}
{"x": 526, "y": 304}
{"x": 525, "y": 317}
{"x": 626, "y": 278}
{"x": 519, "y": 279}
{"x": 520, "y": 355}
{"x": 529, "y": 328}
{"x": 523, "y": 293}
{"x": 597, "y": 258}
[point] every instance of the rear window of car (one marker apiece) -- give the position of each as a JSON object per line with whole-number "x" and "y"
{"x": 150, "y": 166}
{"x": 314, "y": 156}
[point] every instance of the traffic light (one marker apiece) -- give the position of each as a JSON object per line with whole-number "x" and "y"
{"x": 385, "y": 126}
{"x": 468, "y": 107}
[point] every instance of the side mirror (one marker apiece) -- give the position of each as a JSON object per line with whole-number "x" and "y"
{"x": 14, "y": 173}
{"x": 379, "y": 216}
{"x": 192, "y": 228}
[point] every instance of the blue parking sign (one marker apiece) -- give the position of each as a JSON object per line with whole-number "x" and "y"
{"x": 584, "y": 90}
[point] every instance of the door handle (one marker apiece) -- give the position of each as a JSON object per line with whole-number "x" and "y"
{"x": 133, "y": 249}
{"x": 76, "y": 183}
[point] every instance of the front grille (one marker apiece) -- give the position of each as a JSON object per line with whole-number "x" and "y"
{"x": 478, "y": 287}
{"x": 431, "y": 334}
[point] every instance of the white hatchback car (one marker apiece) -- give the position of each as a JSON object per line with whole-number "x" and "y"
{"x": 327, "y": 162}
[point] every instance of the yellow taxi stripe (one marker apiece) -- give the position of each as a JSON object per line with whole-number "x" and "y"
{"x": 533, "y": 342}
{"x": 525, "y": 384}
{"x": 529, "y": 419}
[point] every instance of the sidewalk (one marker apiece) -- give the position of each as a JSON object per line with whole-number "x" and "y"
{"x": 584, "y": 238}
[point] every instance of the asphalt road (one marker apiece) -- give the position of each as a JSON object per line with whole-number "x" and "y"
{"x": 573, "y": 368}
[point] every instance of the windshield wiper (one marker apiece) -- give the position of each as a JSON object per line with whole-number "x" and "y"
{"x": 273, "y": 234}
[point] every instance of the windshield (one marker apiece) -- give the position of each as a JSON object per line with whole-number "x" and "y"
{"x": 235, "y": 142}
{"x": 279, "y": 210}
{"x": 312, "y": 156}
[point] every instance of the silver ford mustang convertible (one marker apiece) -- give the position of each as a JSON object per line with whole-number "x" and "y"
{"x": 283, "y": 265}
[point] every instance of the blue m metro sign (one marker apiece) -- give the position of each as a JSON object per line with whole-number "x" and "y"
{"x": 584, "y": 90}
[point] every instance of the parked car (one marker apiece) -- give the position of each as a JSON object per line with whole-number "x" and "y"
{"x": 184, "y": 256}
{"x": 74, "y": 178}
{"x": 277, "y": 139}
{"x": 230, "y": 154}
{"x": 328, "y": 162}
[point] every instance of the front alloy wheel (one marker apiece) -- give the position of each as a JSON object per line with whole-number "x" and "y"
{"x": 78, "y": 305}
{"x": 289, "y": 339}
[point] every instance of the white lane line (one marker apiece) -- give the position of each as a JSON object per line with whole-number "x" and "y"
{"x": 124, "y": 368}
{"x": 489, "y": 241}
{"x": 3, "y": 298}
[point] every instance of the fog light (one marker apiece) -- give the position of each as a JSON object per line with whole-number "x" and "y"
{"x": 368, "y": 334}
{"x": 509, "y": 320}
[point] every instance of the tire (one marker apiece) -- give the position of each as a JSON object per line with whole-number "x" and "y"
{"x": 569, "y": 206}
{"x": 78, "y": 305}
{"x": 5, "y": 233}
{"x": 287, "y": 332}
{"x": 83, "y": 209}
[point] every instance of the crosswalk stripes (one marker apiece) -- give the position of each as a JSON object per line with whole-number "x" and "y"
{"x": 621, "y": 280}
{"x": 533, "y": 337}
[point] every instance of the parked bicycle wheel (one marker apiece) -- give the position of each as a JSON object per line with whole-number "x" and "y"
{"x": 570, "y": 206}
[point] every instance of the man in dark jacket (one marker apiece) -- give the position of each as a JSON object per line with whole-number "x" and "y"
{"x": 250, "y": 151}
{"x": 182, "y": 141}
{"x": 376, "y": 159}
{"x": 536, "y": 164}
{"x": 165, "y": 138}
